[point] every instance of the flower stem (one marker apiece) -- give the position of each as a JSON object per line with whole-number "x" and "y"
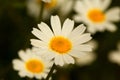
{"x": 41, "y": 11}
{"x": 51, "y": 72}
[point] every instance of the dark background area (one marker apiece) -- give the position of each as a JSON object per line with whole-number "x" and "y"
{"x": 15, "y": 34}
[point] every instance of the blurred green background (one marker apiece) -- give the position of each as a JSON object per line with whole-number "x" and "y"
{"x": 15, "y": 34}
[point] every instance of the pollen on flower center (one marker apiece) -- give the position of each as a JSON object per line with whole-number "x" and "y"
{"x": 96, "y": 15}
{"x": 52, "y": 4}
{"x": 60, "y": 45}
{"x": 34, "y": 66}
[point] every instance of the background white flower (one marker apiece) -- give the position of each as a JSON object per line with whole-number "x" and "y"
{"x": 114, "y": 56}
{"x": 94, "y": 14}
{"x": 62, "y": 43}
{"x": 31, "y": 65}
{"x": 62, "y": 7}
{"x": 89, "y": 57}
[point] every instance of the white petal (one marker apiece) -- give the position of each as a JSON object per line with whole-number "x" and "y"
{"x": 105, "y": 4}
{"x": 28, "y": 74}
{"x": 79, "y": 7}
{"x": 56, "y": 25}
{"x": 67, "y": 27}
{"x": 38, "y": 76}
{"x": 101, "y": 28}
{"x": 22, "y": 73}
{"x": 77, "y": 53}
{"x": 28, "y": 51}
{"x": 40, "y": 35}
{"x": 44, "y": 75}
{"x": 83, "y": 47}
{"x": 96, "y": 3}
{"x": 111, "y": 27}
{"x": 17, "y": 64}
{"x": 23, "y": 55}
{"x": 77, "y": 31}
{"x": 115, "y": 12}
{"x": 92, "y": 29}
{"x": 38, "y": 43}
{"x": 78, "y": 18}
{"x": 39, "y": 52}
{"x": 66, "y": 7}
{"x": 82, "y": 39}
{"x": 45, "y": 29}
{"x": 48, "y": 55}
{"x": 68, "y": 59}
{"x": 59, "y": 60}
{"x": 88, "y": 3}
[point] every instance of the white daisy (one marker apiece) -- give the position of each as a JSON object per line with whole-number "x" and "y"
{"x": 34, "y": 7}
{"x": 94, "y": 14}
{"x": 114, "y": 56}
{"x": 61, "y": 43}
{"x": 31, "y": 65}
{"x": 62, "y": 7}
{"x": 89, "y": 57}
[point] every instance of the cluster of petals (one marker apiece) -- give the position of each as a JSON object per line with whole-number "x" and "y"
{"x": 95, "y": 15}
{"x": 63, "y": 43}
{"x": 30, "y": 65}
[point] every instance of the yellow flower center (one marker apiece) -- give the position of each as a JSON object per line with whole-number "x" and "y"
{"x": 52, "y": 4}
{"x": 96, "y": 15}
{"x": 34, "y": 66}
{"x": 60, "y": 44}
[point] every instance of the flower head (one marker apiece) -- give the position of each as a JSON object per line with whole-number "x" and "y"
{"x": 34, "y": 7}
{"x": 94, "y": 14}
{"x": 61, "y": 44}
{"x": 31, "y": 65}
{"x": 62, "y": 7}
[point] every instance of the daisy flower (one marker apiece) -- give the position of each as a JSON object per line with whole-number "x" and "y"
{"x": 114, "y": 56}
{"x": 63, "y": 43}
{"x": 63, "y": 7}
{"x": 34, "y": 7}
{"x": 93, "y": 13}
{"x": 89, "y": 57}
{"x": 31, "y": 65}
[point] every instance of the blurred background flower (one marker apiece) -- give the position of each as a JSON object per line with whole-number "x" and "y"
{"x": 31, "y": 65}
{"x": 114, "y": 56}
{"x": 95, "y": 15}
{"x": 89, "y": 57}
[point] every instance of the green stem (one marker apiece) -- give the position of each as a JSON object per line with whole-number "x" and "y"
{"x": 41, "y": 12}
{"x": 51, "y": 72}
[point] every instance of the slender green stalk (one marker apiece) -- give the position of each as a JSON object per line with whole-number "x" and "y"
{"x": 51, "y": 72}
{"x": 41, "y": 12}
